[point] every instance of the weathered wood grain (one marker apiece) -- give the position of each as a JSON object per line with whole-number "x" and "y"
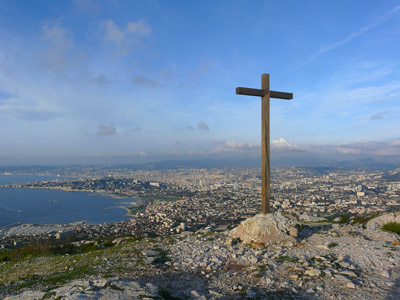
{"x": 266, "y": 94}
{"x": 265, "y": 147}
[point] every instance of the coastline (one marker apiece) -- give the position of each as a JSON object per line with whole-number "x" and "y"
{"x": 128, "y": 212}
{"x": 26, "y": 229}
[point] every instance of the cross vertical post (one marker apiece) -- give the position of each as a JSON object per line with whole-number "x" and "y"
{"x": 265, "y": 147}
{"x": 266, "y": 94}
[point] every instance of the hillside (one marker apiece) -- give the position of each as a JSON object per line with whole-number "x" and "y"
{"x": 331, "y": 261}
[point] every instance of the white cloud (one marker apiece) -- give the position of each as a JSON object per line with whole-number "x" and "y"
{"x": 112, "y": 32}
{"x": 282, "y": 147}
{"x": 86, "y": 6}
{"x": 133, "y": 130}
{"x": 362, "y": 149}
{"x": 106, "y": 130}
{"x": 202, "y": 69}
{"x": 378, "y": 116}
{"x": 140, "y": 27}
{"x": 145, "y": 82}
{"x": 281, "y": 143}
{"x": 179, "y": 143}
{"x": 101, "y": 80}
{"x": 234, "y": 147}
{"x": 59, "y": 41}
{"x": 203, "y": 126}
{"x": 351, "y": 104}
{"x": 123, "y": 39}
{"x": 347, "y": 150}
{"x": 142, "y": 153}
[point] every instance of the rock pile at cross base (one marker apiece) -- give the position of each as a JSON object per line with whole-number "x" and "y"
{"x": 264, "y": 230}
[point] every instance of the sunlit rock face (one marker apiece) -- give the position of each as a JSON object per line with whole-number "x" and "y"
{"x": 266, "y": 229}
{"x": 384, "y": 219}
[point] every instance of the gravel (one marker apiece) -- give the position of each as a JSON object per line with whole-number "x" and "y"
{"x": 362, "y": 264}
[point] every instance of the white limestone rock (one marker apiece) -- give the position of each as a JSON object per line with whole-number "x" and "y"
{"x": 27, "y": 295}
{"x": 312, "y": 272}
{"x": 150, "y": 253}
{"x": 97, "y": 289}
{"x": 195, "y": 294}
{"x": 351, "y": 285}
{"x": 385, "y": 273}
{"x": 384, "y": 219}
{"x": 266, "y": 230}
{"x": 307, "y": 218}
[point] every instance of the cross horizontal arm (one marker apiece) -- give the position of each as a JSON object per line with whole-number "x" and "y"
{"x": 261, "y": 93}
{"x": 250, "y": 92}
{"x": 281, "y": 95}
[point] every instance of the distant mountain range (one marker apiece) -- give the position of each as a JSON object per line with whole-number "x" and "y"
{"x": 368, "y": 163}
{"x": 386, "y": 163}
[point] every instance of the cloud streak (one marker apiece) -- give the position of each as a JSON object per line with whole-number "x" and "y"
{"x": 353, "y": 35}
{"x": 26, "y": 110}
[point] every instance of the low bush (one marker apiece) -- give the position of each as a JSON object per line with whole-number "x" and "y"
{"x": 392, "y": 227}
{"x": 46, "y": 248}
{"x": 344, "y": 218}
{"x": 363, "y": 219}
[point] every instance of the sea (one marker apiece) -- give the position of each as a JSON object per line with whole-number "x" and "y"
{"x": 44, "y": 206}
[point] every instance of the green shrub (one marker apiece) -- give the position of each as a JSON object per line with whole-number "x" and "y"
{"x": 4, "y": 256}
{"x": 88, "y": 247}
{"x": 392, "y": 227}
{"x": 286, "y": 258}
{"x": 363, "y": 219}
{"x": 166, "y": 294}
{"x": 44, "y": 248}
{"x": 344, "y": 218}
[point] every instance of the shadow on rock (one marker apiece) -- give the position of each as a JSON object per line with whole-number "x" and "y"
{"x": 179, "y": 285}
{"x": 271, "y": 295}
{"x": 394, "y": 293}
{"x": 310, "y": 229}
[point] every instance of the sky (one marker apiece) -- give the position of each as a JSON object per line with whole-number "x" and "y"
{"x": 136, "y": 81}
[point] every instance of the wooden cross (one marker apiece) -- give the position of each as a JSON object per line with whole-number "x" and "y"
{"x": 265, "y": 93}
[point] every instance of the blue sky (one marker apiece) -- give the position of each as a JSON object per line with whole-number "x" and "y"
{"x": 149, "y": 80}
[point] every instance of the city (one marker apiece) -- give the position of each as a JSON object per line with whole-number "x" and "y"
{"x": 172, "y": 201}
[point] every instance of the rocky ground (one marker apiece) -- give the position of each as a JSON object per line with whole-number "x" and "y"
{"x": 330, "y": 261}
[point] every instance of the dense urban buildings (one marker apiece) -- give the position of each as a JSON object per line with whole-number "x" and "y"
{"x": 172, "y": 201}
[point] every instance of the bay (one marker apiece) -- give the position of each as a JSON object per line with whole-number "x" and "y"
{"x": 43, "y": 206}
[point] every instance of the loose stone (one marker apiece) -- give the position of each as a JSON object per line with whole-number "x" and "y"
{"x": 351, "y": 285}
